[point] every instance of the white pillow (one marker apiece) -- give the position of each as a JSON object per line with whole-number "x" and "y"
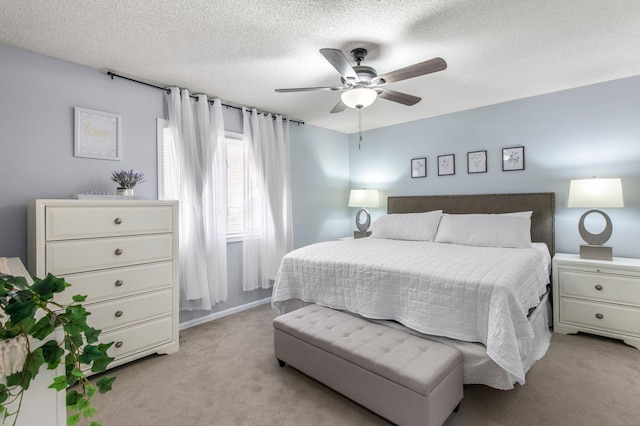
{"x": 485, "y": 230}
{"x": 408, "y": 226}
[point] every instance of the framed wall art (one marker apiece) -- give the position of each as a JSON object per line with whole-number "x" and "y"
{"x": 477, "y": 162}
{"x": 419, "y": 167}
{"x": 513, "y": 158}
{"x": 97, "y": 134}
{"x": 446, "y": 165}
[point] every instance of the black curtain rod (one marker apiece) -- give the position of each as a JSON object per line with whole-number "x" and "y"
{"x": 112, "y": 74}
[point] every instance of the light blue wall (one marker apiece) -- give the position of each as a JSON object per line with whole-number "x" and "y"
{"x": 37, "y": 97}
{"x": 578, "y": 133}
{"x": 319, "y": 184}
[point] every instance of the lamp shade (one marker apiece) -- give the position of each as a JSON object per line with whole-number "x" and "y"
{"x": 360, "y": 97}
{"x": 595, "y": 193}
{"x": 364, "y": 198}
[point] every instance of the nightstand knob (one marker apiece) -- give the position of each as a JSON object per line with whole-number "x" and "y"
{"x": 117, "y": 221}
{"x": 599, "y": 316}
{"x": 598, "y": 287}
{"x": 119, "y": 344}
{"x": 118, "y": 252}
{"x": 119, "y": 283}
{"x": 118, "y": 314}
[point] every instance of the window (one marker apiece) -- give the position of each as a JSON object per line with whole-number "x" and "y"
{"x": 167, "y": 165}
{"x": 236, "y": 166}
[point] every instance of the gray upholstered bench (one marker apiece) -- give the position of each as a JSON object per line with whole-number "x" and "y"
{"x": 404, "y": 378}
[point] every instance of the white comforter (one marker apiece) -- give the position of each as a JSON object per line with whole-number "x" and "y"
{"x": 477, "y": 294}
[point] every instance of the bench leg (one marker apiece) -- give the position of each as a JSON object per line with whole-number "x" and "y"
{"x": 281, "y": 363}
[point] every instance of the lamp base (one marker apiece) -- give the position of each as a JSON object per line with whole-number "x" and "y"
{"x": 360, "y": 234}
{"x": 596, "y": 252}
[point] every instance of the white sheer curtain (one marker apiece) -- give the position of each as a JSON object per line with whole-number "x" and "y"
{"x": 268, "y": 229}
{"x": 198, "y": 136}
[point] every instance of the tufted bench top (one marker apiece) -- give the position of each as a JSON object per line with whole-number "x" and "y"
{"x": 408, "y": 360}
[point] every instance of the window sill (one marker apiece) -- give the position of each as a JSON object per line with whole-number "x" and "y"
{"x": 235, "y": 238}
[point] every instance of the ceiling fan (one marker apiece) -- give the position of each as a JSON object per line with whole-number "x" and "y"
{"x": 361, "y": 84}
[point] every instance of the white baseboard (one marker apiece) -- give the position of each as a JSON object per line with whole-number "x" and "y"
{"x": 221, "y": 314}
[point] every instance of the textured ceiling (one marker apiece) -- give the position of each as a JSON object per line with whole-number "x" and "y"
{"x": 241, "y": 50}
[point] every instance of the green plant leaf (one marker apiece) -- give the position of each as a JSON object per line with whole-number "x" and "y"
{"x": 19, "y": 310}
{"x": 73, "y": 397}
{"x": 100, "y": 364}
{"x": 76, "y": 372}
{"x": 89, "y": 411}
{"x": 47, "y": 286}
{"x": 94, "y": 424}
{"x": 52, "y": 354}
{"x": 32, "y": 366}
{"x": 75, "y": 340}
{"x": 44, "y": 327}
{"x": 76, "y": 320}
{"x": 91, "y": 390}
{"x": 79, "y": 298}
{"x": 59, "y": 383}
{"x": 91, "y": 334}
{"x": 73, "y": 419}
{"x": 14, "y": 283}
{"x": 4, "y": 393}
{"x": 19, "y": 379}
{"x": 90, "y": 353}
{"x": 104, "y": 384}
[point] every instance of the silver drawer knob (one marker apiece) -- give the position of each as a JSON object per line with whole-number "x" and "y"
{"x": 118, "y": 314}
{"x": 118, "y": 252}
{"x": 599, "y": 316}
{"x": 119, "y": 344}
{"x": 117, "y": 221}
{"x": 598, "y": 287}
{"x": 119, "y": 283}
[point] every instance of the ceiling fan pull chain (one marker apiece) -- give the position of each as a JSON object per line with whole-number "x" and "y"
{"x": 360, "y": 126}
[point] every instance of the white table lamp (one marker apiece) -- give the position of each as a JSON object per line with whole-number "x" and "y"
{"x": 363, "y": 198}
{"x": 595, "y": 193}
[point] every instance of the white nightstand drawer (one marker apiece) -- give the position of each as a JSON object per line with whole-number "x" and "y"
{"x": 121, "y": 312}
{"x": 600, "y": 316}
{"x": 64, "y": 223}
{"x": 599, "y": 286}
{"x": 117, "y": 282}
{"x": 66, "y": 257}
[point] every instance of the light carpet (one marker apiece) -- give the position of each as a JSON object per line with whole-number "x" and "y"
{"x": 226, "y": 374}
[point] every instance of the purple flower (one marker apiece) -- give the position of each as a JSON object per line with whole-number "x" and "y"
{"x": 127, "y": 179}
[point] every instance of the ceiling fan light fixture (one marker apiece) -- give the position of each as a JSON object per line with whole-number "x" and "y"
{"x": 360, "y": 97}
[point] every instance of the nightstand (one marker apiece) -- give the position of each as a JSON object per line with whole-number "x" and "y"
{"x": 597, "y": 297}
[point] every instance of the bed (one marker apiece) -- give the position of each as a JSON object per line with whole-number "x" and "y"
{"x": 492, "y": 303}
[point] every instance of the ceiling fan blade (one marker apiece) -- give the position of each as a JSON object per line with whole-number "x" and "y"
{"x": 340, "y": 63}
{"x": 402, "y": 98}
{"x": 309, "y": 89}
{"x": 340, "y": 106}
{"x": 415, "y": 70}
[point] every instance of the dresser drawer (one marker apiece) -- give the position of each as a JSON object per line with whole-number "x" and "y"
{"x": 600, "y": 286}
{"x": 121, "y": 312}
{"x": 613, "y": 318}
{"x": 73, "y": 222}
{"x": 129, "y": 340}
{"x": 66, "y": 257}
{"x": 117, "y": 282}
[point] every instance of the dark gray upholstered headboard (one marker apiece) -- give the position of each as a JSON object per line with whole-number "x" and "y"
{"x": 542, "y": 204}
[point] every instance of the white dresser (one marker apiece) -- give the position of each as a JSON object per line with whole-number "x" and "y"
{"x": 122, "y": 254}
{"x": 597, "y": 296}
